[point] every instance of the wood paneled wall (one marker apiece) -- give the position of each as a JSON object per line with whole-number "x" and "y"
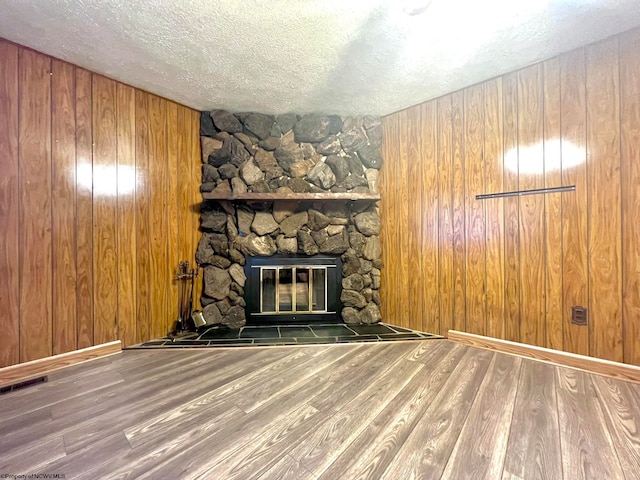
{"x": 99, "y": 188}
{"x": 513, "y": 268}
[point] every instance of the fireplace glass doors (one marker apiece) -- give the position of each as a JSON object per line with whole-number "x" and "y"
{"x": 292, "y": 289}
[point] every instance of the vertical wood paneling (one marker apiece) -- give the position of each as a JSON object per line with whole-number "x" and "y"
{"x": 390, "y": 228}
{"x": 158, "y": 219}
{"x": 630, "y": 174}
{"x": 511, "y": 210}
{"x": 531, "y": 175}
{"x": 553, "y": 205}
{"x": 429, "y": 220}
{"x": 75, "y": 249}
{"x": 598, "y": 249}
{"x": 417, "y": 287}
{"x": 143, "y": 260}
{"x": 571, "y": 120}
{"x": 172, "y": 214}
{"x": 403, "y": 219}
{"x": 9, "y": 215}
{"x": 385, "y": 230}
{"x": 196, "y": 180}
{"x": 397, "y": 226}
{"x": 475, "y": 235}
{"x": 184, "y": 175}
{"x": 63, "y": 207}
{"x": 386, "y": 240}
{"x": 105, "y": 194}
{"x": 126, "y": 235}
{"x": 603, "y": 151}
{"x": 459, "y": 245}
{"x": 445, "y": 215}
{"x": 35, "y": 205}
{"x": 494, "y": 209}
{"x": 186, "y": 225}
{"x": 84, "y": 208}
{"x": 574, "y": 205}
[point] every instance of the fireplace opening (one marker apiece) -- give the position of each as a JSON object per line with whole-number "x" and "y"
{"x": 293, "y": 289}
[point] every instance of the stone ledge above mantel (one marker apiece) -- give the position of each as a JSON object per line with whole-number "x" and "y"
{"x": 277, "y": 196}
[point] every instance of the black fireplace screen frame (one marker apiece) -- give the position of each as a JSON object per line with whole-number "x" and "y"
{"x": 333, "y": 312}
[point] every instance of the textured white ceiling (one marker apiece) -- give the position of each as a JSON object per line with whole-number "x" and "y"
{"x": 335, "y": 56}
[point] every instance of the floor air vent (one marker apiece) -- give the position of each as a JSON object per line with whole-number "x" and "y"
{"x": 25, "y": 384}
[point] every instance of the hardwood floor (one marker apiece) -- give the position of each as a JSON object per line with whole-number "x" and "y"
{"x": 395, "y": 410}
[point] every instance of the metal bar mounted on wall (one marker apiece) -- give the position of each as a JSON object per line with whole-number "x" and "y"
{"x": 518, "y": 193}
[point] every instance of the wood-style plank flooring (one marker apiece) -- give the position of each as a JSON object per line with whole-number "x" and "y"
{"x": 396, "y": 410}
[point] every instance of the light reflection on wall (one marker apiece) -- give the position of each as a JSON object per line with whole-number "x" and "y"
{"x": 107, "y": 181}
{"x": 552, "y": 155}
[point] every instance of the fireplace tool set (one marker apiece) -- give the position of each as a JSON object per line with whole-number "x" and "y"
{"x": 186, "y": 279}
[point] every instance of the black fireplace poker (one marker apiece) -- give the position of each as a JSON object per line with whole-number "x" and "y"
{"x": 186, "y": 278}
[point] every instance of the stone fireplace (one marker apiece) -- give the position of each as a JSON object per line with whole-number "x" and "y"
{"x": 247, "y": 155}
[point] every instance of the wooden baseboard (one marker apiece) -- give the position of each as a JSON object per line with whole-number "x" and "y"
{"x": 43, "y": 366}
{"x": 598, "y": 366}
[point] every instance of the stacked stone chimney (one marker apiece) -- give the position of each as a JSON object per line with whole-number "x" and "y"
{"x": 252, "y": 152}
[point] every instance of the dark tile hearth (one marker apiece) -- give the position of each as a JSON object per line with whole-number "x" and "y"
{"x": 398, "y": 336}
{"x": 257, "y": 332}
{"x": 303, "y": 340}
{"x": 332, "y": 330}
{"x": 222, "y": 343}
{"x": 288, "y": 335}
{"x": 359, "y": 338}
{"x": 374, "y": 329}
{"x": 297, "y": 332}
{"x": 275, "y": 341}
